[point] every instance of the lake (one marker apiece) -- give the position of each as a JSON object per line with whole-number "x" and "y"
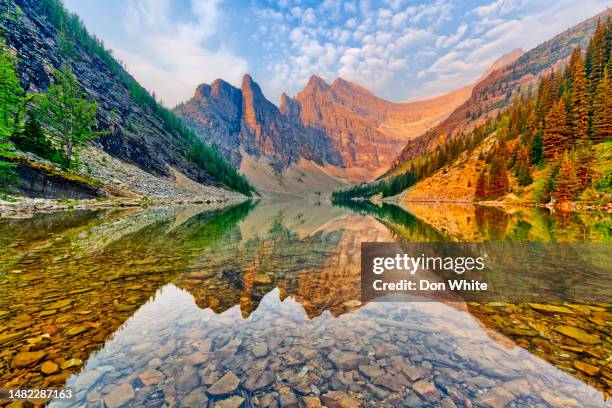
{"x": 258, "y": 304}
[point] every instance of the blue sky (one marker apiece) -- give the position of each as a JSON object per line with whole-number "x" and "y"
{"x": 400, "y": 49}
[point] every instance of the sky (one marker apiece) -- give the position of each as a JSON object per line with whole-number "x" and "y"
{"x": 401, "y": 50}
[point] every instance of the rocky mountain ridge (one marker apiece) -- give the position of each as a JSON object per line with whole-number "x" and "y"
{"x": 498, "y": 88}
{"x": 341, "y": 129}
{"x": 242, "y": 118}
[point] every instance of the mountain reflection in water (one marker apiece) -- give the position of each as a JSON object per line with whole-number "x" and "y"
{"x": 154, "y": 306}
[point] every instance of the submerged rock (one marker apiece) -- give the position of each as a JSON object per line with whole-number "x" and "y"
{"x": 551, "y": 308}
{"x": 578, "y": 334}
{"x": 496, "y": 398}
{"x": 119, "y": 396}
{"x": 260, "y": 350}
{"x": 289, "y": 401}
{"x": 412, "y": 372}
{"x": 426, "y": 390}
{"x": 371, "y": 371}
{"x": 311, "y": 402}
{"x": 74, "y": 331}
{"x": 49, "y": 367}
{"x": 150, "y": 377}
{"x": 196, "y": 359}
{"x": 233, "y": 402}
{"x": 256, "y": 381}
{"x": 196, "y": 399}
{"x": 73, "y": 362}
{"x": 447, "y": 402}
{"x": 28, "y": 358}
{"x": 346, "y": 360}
{"x": 337, "y": 399}
{"x": 225, "y": 385}
{"x": 57, "y": 379}
{"x": 586, "y": 368}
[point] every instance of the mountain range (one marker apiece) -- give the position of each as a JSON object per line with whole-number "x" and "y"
{"x": 329, "y": 136}
{"x": 325, "y": 137}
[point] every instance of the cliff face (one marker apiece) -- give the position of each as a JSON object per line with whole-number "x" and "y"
{"x": 366, "y": 130}
{"x": 137, "y": 134}
{"x": 344, "y": 129}
{"x": 358, "y": 142}
{"x": 497, "y": 89}
{"x": 233, "y": 119}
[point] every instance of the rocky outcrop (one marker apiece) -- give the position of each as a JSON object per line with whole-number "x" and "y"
{"x": 137, "y": 134}
{"x": 40, "y": 182}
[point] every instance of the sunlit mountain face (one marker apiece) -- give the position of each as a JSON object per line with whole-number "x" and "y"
{"x": 167, "y": 305}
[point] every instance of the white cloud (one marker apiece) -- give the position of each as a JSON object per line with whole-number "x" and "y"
{"x": 401, "y": 49}
{"x": 171, "y": 59}
{"x": 447, "y": 41}
{"x": 498, "y": 8}
{"x": 308, "y": 17}
{"x": 436, "y": 13}
{"x": 497, "y": 31}
{"x": 146, "y": 14}
{"x": 175, "y": 81}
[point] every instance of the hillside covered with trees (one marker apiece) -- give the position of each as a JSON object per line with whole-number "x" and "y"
{"x": 548, "y": 142}
{"x": 551, "y": 145}
{"x": 88, "y": 96}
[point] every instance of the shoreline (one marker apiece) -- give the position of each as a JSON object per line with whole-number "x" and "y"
{"x": 572, "y": 207}
{"x": 31, "y": 206}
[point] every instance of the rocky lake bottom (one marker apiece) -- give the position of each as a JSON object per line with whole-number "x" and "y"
{"x": 259, "y": 305}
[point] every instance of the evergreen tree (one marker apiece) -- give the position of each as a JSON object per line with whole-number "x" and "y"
{"x": 537, "y": 146}
{"x": 556, "y": 132}
{"x": 579, "y": 102}
{"x": 497, "y": 185}
{"x": 602, "y": 110}
{"x": 595, "y": 57}
{"x": 524, "y": 176}
{"x": 481, "y": 186}
{"x": 69, "y": 114}
{"x": 523, "y": 173}
{"x": 566, "y": 184}
{"x": 32, "y": 138}
{"x": 12, "y": 99}
{"x": 583, "y": 158}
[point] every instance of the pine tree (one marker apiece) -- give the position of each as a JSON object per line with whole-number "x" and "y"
{"x": 583, "y": 158}
{"x": 69, "y": 114}
{"x": 32, "y": 138}
{"x": 523, "y": 167}
{"x": 537, "y": 154}
{"x": 481, "y": 186}
{"x": 556, "y": 131}
{"x": 602, "y": 110}
{"x": 498, "y": 178}
{"x": 549, "y": 174}
{"x": 12, "y": 99}
{"x": 576, "y": 53}
{"x": 595, "y": 57}
{"x": 524, "y": 176}
{"x": 566, "y": 184}
{"x": 579, "y": 100}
